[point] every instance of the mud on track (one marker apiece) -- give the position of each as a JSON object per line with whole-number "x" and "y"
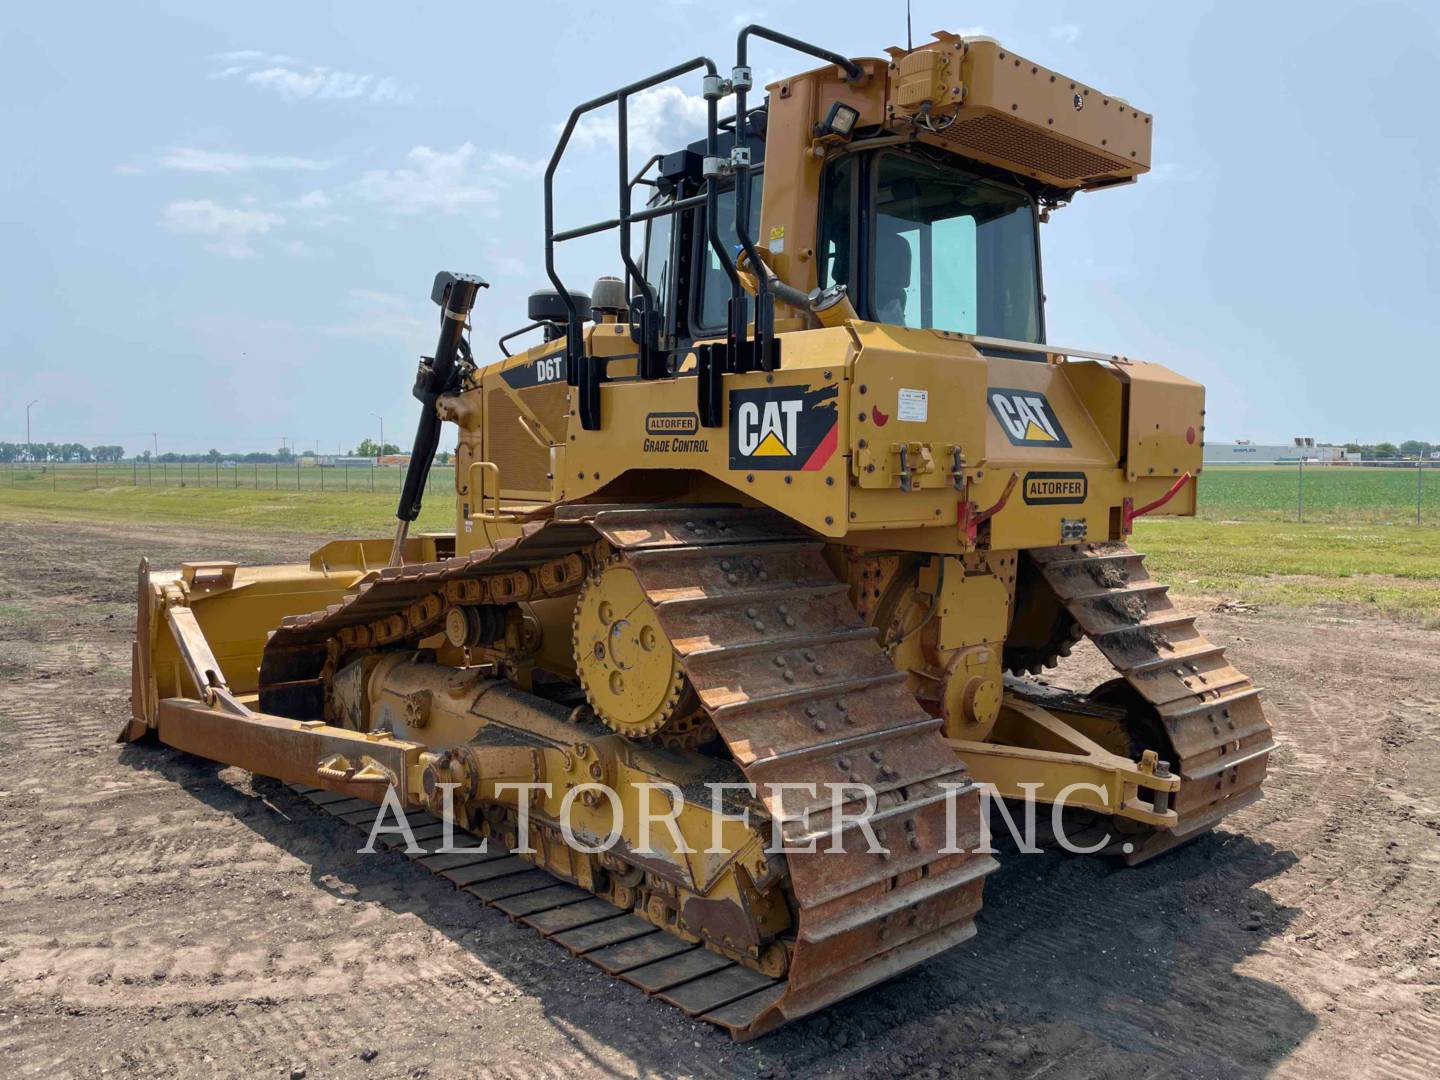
{"x": 163, "y": 916}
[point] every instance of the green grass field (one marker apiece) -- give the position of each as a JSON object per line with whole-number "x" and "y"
{"x": 1390, "y": 568}
{"x": 1359, "y": 544}
{"x": 74, "y": 476}
{"x": 310, "y": 512}
{"x": 1341, "y": 494}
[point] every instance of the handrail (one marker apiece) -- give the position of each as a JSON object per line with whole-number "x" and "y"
{"x": 764, "y": 298}
{"x": 647, "y": 291}
{"x": 514, "y": 334}
{"x": 580, "y": 370}
{"x": 477, "y": 491}
{"x": 1128, "y": 512}
{"x": 738, "y": 354}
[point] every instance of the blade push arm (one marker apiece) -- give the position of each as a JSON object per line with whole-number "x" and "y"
{"x": 455, "y": 293}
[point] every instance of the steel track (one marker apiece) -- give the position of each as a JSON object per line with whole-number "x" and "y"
{"x": 801, "y": 692}
{"x": 1209, "y": 712}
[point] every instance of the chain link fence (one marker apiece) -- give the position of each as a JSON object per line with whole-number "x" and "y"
{"x": 1350, "y": 493}
{"x": 274, "y": 476}
{"x": 1399, "y": 492}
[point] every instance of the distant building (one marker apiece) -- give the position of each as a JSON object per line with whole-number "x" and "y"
{"x": 1243, "y": 451}
{"x": 394, "y": 459}
{"x": 337, "y": 460}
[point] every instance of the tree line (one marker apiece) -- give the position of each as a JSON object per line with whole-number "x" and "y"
{"x": 59, "y": 452}
{"x": 1410, "y": 448}
{"x": 76, "y": 452}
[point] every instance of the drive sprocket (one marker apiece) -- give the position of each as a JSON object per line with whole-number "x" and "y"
{"x": 630, "y": 672}
{"x": 1042, "y": 630}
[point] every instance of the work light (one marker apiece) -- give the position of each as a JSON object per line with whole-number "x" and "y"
{"x": 840, "y": 120}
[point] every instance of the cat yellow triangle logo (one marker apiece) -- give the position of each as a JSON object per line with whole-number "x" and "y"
{"x": 771, "y": 446}
{"x": 1038, "y": 434}
{"x": 1027, "y": 418}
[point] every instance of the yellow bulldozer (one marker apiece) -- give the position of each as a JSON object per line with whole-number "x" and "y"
{"x": 757, "y": 556}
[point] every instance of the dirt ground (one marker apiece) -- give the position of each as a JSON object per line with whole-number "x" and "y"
{"x": 163, "y": 916}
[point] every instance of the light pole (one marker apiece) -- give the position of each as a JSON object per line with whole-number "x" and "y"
{"x": 377, "y": 416}
{"x": 29, "y": 449}
{"x": 155, "y": 438}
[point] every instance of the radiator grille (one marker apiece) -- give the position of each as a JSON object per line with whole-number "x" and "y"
{"x": 523, "y": 463}
{"x": 549, "y": 407}
{"x": 999, "y": 137}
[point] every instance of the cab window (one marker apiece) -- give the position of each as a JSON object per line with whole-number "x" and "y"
{"x": 952, "y": 251}
{"x": 714, "y": 285}
{"x": 658, "y": 254}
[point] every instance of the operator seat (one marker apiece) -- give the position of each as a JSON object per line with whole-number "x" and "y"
{"x": 892, "y": 277}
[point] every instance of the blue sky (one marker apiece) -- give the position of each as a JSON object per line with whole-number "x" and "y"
{"x": 220, "y": 222}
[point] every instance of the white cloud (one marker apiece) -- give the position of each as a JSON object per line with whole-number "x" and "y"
{"x": 502, "y": 262}
{"x": 513, "y": 163}
{"x": 375, "y": 297}
{"x": 1172, "y": 172}
{"x": 660, "y": 119}
{"x": 382, "y": 314}
{"x": 294, "y": 80}
{"x": 189, "y": 159}
{"x": 1066, "y": 33}
{"x": 432, "y": 180}
{"x": 251, "y": 56}
{"x": 313, "y": 200}
{"x": 301, "y": 249}
{"x": 317, "y": 209}
{"x": 231, "y": 229}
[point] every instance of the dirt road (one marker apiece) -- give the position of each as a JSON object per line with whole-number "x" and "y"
{"x": 162, "y": 916}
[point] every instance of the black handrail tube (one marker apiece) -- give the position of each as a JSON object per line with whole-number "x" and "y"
{"x": 632, "y": 272}
{"x": 586, "y": 230}
{"x": 577, "y": 368}
{"x": 764, "y": 299}
{"x": 710, "y": 362}
{"x": 647, "y": 290}
{"x": 639, "y": 177}
{"x": 644, "y": 330}
{"x": 668, "y": 208}
{"x": 514, "y": 334}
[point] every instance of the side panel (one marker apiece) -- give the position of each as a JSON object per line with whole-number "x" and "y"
{"x": 865, "y": 428}
{"x": 1167, "y": 422}
{"x": 1055, "y": 435}
{"x": 922, "y": 392}
{"x": 526, "y": 405}
{"x": 783, "y": 443}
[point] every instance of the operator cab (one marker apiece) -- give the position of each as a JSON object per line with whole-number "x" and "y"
{"x": 920, "y": 238}
{"x": 907, "y": 192}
